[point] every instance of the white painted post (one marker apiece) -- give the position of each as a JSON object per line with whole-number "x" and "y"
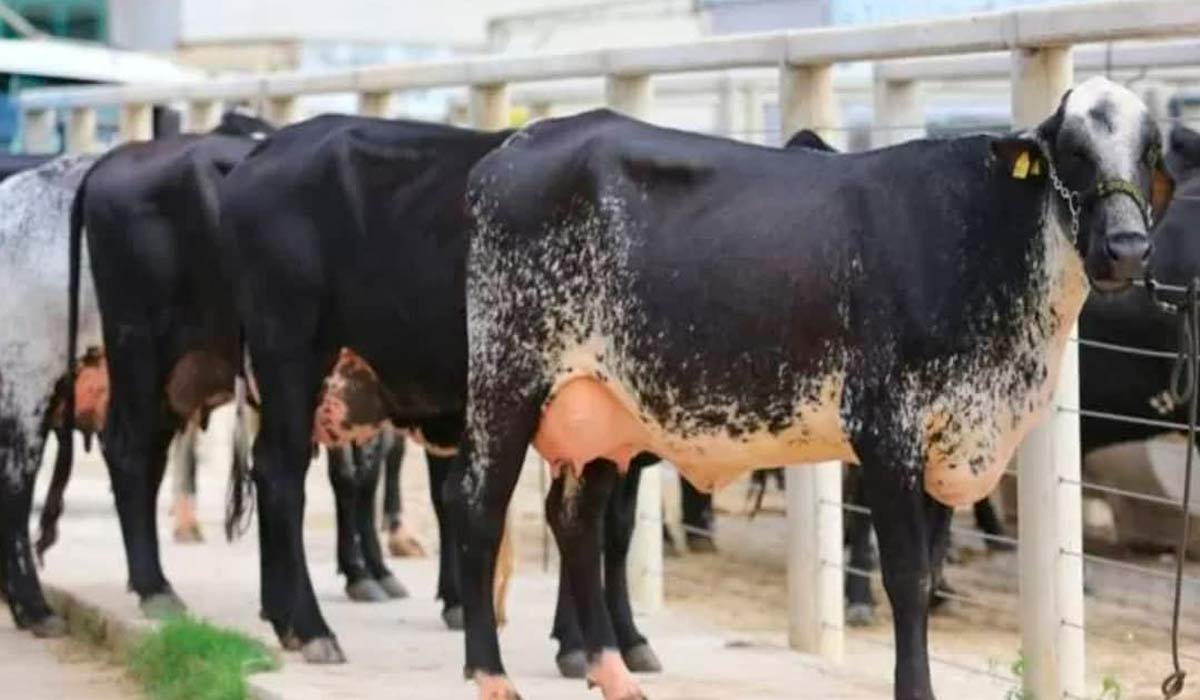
{"x": 816, "y": 609}
{"x": 1049, "y": 510}
{"x": 489, "y": 106}
{"x": 281, "y": 110}
{"x": 633, "y": 95}
{"x": 40, "y": 131}
{"x": 727, "y": 112}
{"x": 81, "y": 130}
{"x": 203, "y": 115}
{"x": 137, "y": 122}
{"x": 752, "y": 114}
{"x": 374, "y": 104}
{"x": 899, "y": 113}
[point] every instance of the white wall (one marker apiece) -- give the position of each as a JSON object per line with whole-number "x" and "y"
{"x": 458, "y": 22}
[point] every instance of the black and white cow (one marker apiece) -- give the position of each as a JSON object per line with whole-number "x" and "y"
{"x": 347, "y": 232}
{"x": 725, "y": 306}
{"x": 36, "y": 205}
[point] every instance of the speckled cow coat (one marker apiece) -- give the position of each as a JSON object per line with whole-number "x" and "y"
{"x": 725, "y": 306}
{"x": 917, "y": 311}
{"x": 33, "y": 355}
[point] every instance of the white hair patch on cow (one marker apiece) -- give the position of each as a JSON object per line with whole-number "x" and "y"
{"x": 1112, "y": 114}
{"x": 34, "y": 265}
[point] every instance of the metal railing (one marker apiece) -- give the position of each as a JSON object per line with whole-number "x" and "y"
{"x": 1040, "y": 68}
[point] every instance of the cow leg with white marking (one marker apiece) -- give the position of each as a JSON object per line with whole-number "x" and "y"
{"x": 20, "y": 452}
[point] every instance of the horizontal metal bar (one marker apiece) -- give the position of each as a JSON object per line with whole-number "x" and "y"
{"x": 969, "y": 532}
{"x": 1168, "y": 425}
{"x": 1127, "y": 349}
{"x": 1135, "y": 568}
{"x": 994, "y": 31}
{"x": 1136, "y": 495}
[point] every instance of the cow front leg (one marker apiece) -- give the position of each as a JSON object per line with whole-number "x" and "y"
{"x": 351, "y": 560}
{"x": 20, "y": 449}
{"x": 575, "y": 508}
{"x": 860, "y": 608}
{"x": 441, "y": 493}
{"x": 620, "y": 517}
{"x": 369, "y": 462}
{"x": 898, "y": 509}
{"x": 183, "y": 479}
{"x": 289, "y": 385}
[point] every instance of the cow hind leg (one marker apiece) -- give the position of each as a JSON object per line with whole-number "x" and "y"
{"x": 136, "y": 436}
{"x": 20, "y": 449}
{"x": 571, "y": 658}
{"x": 479, "y": 498}
{"x": 901, "y": 515}
{"x": 575, "y": 507}
{"x": 351, "y": 558}
{"x": 620, "y": 517}
{"x": 183, "y": 475}
{"x": 449, "y": 576}
{"x": 289, "y": 385}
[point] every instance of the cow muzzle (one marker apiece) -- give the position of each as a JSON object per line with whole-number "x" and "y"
{"x": 1128, "y": 254}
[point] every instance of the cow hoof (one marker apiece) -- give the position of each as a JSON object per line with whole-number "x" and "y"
{"x": 495, "y": 688}
{"x": 453, "y": 617}
{"x": 402, "y": 543}
{"x": 860, "y": 615}
{"x": 366, "y": 590}
{"x": 322, "y": 650}
{"x": 701, "y": 544}
{"x": 572, "y": 664}
{"x": 290, "y": 642}
{"x": 161, "y": 606}
{"x": 392, "y": 586}
{"x": 189, "y": 535}
{"x": 642, "y": 659}
{"x": 49, "y": 627}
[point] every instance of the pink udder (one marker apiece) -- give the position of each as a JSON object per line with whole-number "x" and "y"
{"x": 91, "y": 394}
{"x": 350, "y": 410}
{"x": 583, "y": 422}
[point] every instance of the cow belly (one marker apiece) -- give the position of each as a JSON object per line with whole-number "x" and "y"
{"x": 588, "y": 419}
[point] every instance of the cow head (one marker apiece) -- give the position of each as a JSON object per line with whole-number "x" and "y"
{"x": 1104, "y": 163}
{"x": 234, "y": 123}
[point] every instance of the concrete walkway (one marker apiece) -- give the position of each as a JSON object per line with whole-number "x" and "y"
{"x": 401, "y": 649}
{"x": 56, "y": 669}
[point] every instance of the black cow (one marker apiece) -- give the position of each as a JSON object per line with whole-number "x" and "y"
{"x": 727, "y": 306}
{"x": 171, "y": 338}
{"x": 345, "y": 232}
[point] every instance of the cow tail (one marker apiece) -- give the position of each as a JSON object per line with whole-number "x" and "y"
{"x": 239, "y": 502}
{"x": 53, "y": 508}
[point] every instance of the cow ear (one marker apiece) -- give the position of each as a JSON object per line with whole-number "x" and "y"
{"x": 1020, "y": 156}
{"x": 1162, "y": 187}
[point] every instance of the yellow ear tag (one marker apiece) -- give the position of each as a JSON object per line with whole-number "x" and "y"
{"x": 1021, "y": 167}
{"x": 1036, "y": 168}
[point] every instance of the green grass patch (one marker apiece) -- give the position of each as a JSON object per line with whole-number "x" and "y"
{"x": 186, "y": 659}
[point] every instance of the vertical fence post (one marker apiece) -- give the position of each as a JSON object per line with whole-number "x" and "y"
{"x": 40, "y": 131}
{"x": 81, "y": 130}
{"x": 816, "y": 616}
{"x": 1049, "y": 510}
{"x": 137, "y": 122}
{"x": 374, "y": 104}
{"x": 899, "y": 114}
{"x": 203, "y": 115}
{"x": 488, "y": 106}
{"x": 281, "y": 110}
{"x": 633, "y": 95}
{"x": 752, "y": 113}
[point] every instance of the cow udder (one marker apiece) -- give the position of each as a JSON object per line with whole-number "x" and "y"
{"x": 584, "y": 421}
